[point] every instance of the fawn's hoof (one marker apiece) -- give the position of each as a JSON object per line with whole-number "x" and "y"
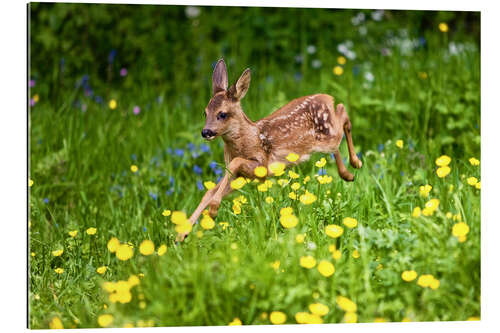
{"x": 213, "y": 210}
{"x": 356, "y": 163}
{"x": 180, "y": 238}
{"x": 347, "y": 176}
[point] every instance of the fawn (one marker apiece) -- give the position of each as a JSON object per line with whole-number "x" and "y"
{"x": 305, "y": 125}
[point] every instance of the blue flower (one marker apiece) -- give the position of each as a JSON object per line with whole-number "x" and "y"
{"x": 191, "y": 146}
{"x": 205, "y": 148}
{"x": 297, "y": 76}
{"x": 197, "y": 170}
{"x": 112, "y": 55}
{"x": 170, "y": 191}
{"x": 171, "y": 179}
{"x": 212, "y": 165}
{"x": 332, "y": 156}
{"x": 380, "y": 147}
{"x": 218, "y": 171}
{"x": 133, "y": 157}
{"x": 144, "y": 229}
{"x": 200, "y": 185}
{"x": 46, "y": 200}
{"x": 195, "y": 154}
{"x": 401, "y": 173}
{"x": 99, "y": 99}
{"x": 153, "y": 195}
{"x": 355, "y": 70}
{"x": 322, "y": 172}
{"x": 179, "y": 152}
{"x": 360, "y": 154}
{"x": 151, "y": 180}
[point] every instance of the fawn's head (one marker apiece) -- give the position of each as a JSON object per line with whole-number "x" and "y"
{"x": 223, "y": 111}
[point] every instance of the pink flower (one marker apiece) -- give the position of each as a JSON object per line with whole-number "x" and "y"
{"x": 123, "y": 72}
{"x": 137, "y": 110}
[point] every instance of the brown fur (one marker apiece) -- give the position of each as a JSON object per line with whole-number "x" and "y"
{"x": 303, "y": 126}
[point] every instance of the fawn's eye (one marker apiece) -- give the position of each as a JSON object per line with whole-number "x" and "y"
{"x": 221, "y": 116}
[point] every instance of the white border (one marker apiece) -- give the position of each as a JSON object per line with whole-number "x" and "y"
{"x": 13, "y": 158}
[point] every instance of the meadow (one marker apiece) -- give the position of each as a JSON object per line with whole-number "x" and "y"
{"x": 116, "y": 158}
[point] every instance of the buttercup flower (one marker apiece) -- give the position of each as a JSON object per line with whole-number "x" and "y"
{"x": 442, "y": 172}
{"x": 269, "y": 200}
{"x": 235, "y": 322}
{"x": 326, "y": 268}
{"x": 262, "y": 187}
{"x": 424, "y": 190}
{"x": 416, "y": 212}
{"x": 166, "y": 212}
{"x": 277, "y": 168}
{"x": 293, "y": 175}
{"x": 56, "y": 323}
{"x": 105, "y": 320}
{"x": 295, "y": 186}
{"x": 286, "y": 211}
{"x": 300, "y": 238}
{"x": 399, "y": 144}
{"x": 238, "y": 183}
{"x": 307, "y": 262}
{"x": 162, "y": 250}
{"x": 409, "y": 275}
{"x": 337, "y": 70}
{"x": 443, "y": 27}
{"x": 147, "y": 247}
{"x": 341, "y": 60}
{"x": 112, "y": 104}
{"x": 308, "y": 198}
{"x": 460, "y": 229}
{"x": 207, "y": 222}
{"x": 59, "y": 270}
{"x": 184, "y": 228}
{"x": 289, "y": 221}
{"x": 334, "y": 230}
{"x": 91, "y": 231}
{"x": 236, "y": 208}
{"x": 319, "y": 309}
{"x": 355, "y": 254}
{"x": 113, "y": 244}
{"x": 425, "y": 280}
{"x": 292, "y": 157}
{"x": 134, "y": 168}
{"x": 346, "y": 304}
{"x": 178, "y": 217}
{"x": 260, "y": 171}
{"x": 321, "y": 163}
{"x": 57, "y": 253}
{"x": 209, "y": 185}
{"x": 277, "y": 317}
{"x": 350, "y": 317}
{"x": 472, "y": 181}
{"x": 73, "y": 233}
{"x": 443, "y": 160}
{"x": 101, "y": 270}
{"x": 124, "y": 252}
{"x": 292, "y": 195}
{"x": 474, "y": 161}
{"x": 350, "y": 222}
{"x": 30, "y": 182}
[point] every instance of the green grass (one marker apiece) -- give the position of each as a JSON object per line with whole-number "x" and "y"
{"x": 80, "y": 162}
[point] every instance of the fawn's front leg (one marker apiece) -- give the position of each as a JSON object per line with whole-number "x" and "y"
{"x": 238, "y": 166}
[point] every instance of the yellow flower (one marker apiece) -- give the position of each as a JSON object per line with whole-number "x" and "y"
{"x": 113, "y": 244}
{"x": 36, "y": 98}
{"x": 308, "y": 198}
{"x": 422, "y": 75}
{"x": 307, "y": 262}
{"x": 308, "y": 318}
{"x": 277, "y": 168}
{"x": 350, "y": 222}
{"x": 334, "y": 230}
{"x": 59, "y": 270}
{"x": 178, "y": 217}
{"x": 443, "y": 27}
{"x": 355, "y": 254}
{"x": 209, "y": 185}
{"x": 424, "y": 190}
{"x": 73, "y": 233}
{"x": 293, "y": 175}
{"x": 260, "y": 171}
{"x": 286, "y": 211}
{"x": 134, "y": 168}
{"x": 289, "y": 221}
{"x": 416, "y": 212}
{"x": 262, "y": 187}
{"x": 207, "y": 222}
{"x": 292, "y": 157}
{"x": 336, "y": 255}
{"x": 33, "y": 254}
{"x": 319, "y": 309}
{"x": 91, "y": 231}
{"x": 269, "y": 200}
{"x": 224, "y": 225}
{"x": 478, "y": 185}
{"x": 409, "y": 275}
{"x": 238, "y": 183}
{"x": 105, "y": 320}
{"x": 295, "y": 186}
{"x": 147, "y": 247}
{"x": 346, "y": 304}
{"x": 300, "y": 238}
{"x": 425, "y": 280}
{"x": 184, "y": 227}
{"x": 473, "y": 318}
{"x": 30, "y": 182}
{"x": 350, "y": 317}
{"x": 472, "y": 181}
{"x": 124, "y": 252}
{"x": 306, "y": 179}
{"x": 399, "y": 144}
{"x": 199, "y": 234}
{"x": 321, "y": 163}
{"x": 101, "y": 270}
{"x": 460, "y": 229}
{"x": 337, "y": 70}
{"x": 380, "y": 320}
{"x": 341, "y": 60}
{"x": 326, "y": 269}
{"x": 128, "y": 325}
{"x": 57, "y": 253}
{"x": 235, "y": 322}
{"x": 112, "y": 104}
{"x": 443, "y": 160}
{"x": 56, "y": 323}
{"x": 275, "y": 265}
{"x": 434, "y": 284}
{"x": 162, "y": 250}
{"x": 133, "y": 280}
{"x": 406, "y": 320}
{"x": 166, "y": 212}
{"x": 474, "y": 161}
{"x": 324, "y": 179}
{"x": 236, "y": 209}
{"x": 442, "y": 172}
{"x": 430, "y": 207}
{"x": 269, "y": 183}
{"x": 292, "y": 195}
{"x": 240, "y": 200}
{"x": 277, "y": 317}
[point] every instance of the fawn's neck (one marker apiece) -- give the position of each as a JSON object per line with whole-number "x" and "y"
{"x": 242, "y": 135}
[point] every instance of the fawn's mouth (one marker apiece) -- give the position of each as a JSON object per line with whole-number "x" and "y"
{"x": 210, "y": 138}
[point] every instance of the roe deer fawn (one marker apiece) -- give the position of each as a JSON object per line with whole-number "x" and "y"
{"x": 305, "y": 125}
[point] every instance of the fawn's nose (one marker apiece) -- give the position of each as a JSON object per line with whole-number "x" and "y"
{"x": 206, "y": 133}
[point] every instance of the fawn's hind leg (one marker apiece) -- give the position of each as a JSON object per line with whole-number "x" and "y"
{"x": 346, "y": 125}
{"x": 343, "y": 172}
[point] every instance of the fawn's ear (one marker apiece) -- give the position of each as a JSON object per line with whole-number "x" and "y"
{"x": 240, "y": 88}
{"x": 219, "y": 77}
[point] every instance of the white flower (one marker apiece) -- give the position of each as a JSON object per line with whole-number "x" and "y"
{"x": 192, "y": 12}
{"x": 350, "y": 55}
{"x": 362, "y": 30}
{"x": 369, "y": 77}
{"x": 311, "y": 246}
{"x": 377, "y": 15}
{"x": 316, "y": 63}
{"x": 299, "y": 59}
{"x": 311, "y": 49}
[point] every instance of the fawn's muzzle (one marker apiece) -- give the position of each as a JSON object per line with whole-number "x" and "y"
{"x": 207, "y": 134}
